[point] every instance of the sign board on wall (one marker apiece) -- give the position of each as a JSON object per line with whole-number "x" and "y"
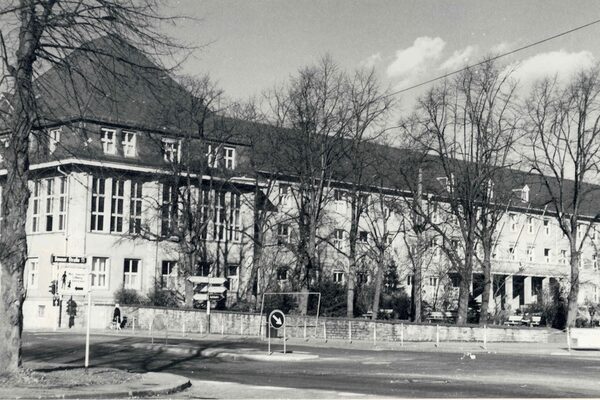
{"x": 73, "y": 280}
{"x": 68, "y": 259}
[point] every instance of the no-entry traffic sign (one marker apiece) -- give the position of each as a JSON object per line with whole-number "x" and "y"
{"x": 277, "y": 319}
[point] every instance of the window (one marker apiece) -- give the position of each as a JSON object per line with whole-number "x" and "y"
{"x": 530, "y": 224}
{"x": 282, "y": 274}
{"x": 363, "y": 236}
{"x": 338, "y": 238}
{"x": 547, "y": 256}
{"x": 108, "y": 141}
{"x": 203, "y": 268}
{"x": 513, "y": 222}
{"x": 283, "y": 233}
{"x": 525, "y": 194}
{"x": 530, "y": 254}
{"x": 229, "y": 157}
{"x": 168, "y": 275}
{"x": 389, "y": 238}
{"x": 171, "y": 151}
{"x": 41, "y": 311}
{"x": 284, "y": 193}
{"x": 212, "y": 156}
{"x": 98, "y": 195}
{"x": 99, "y": 274}
{"x": 168, "y": 210}
{"x": 409, "y": 280}
{"x": 511, "y": 253}
{"x": 235, "y": 224}
{"x": 36, "y": 199}
{"x": 490, "y": 190}
{"x": 433, "y": 281}
{"x": 131, "y": 273}
{"x": 338, "y": 276}
{"x": 135, "y": 208}
{"x": 547, "y": 226}
{"x": 363, "y": 201}
{"x": 593, "y": 233}
{"x": 595, "y": 262}
{"x": 339, "y": 195}
{"x": 49, "y": 214}
{"x": 117, "y": 202}
{"x": 1, "y": 211}
{"x": 455, "y": 280}
{"x": 204, "y": 212}
{"x": 53, "y": 139}
{"x": 3, "y": 145}
{"x": 128, "y": 143}
{"x": 32, "y": 276}
{"x": 232, "y": 270}
{"x": 563, "y": 256}
{"x": 62, "y": 202}
{"x": 219, "y": 216}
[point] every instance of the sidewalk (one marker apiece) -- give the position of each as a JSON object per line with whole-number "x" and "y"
{"x": 151, "y": 384}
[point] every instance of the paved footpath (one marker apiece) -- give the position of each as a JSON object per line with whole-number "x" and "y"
{"x": 151, "y": 384}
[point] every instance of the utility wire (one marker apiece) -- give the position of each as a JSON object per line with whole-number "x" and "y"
{"x": 494, "y": 58}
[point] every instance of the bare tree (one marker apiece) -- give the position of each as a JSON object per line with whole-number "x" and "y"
{"x": 466, "y": 127}
{"x": 564, "y": 129}
{"x": 34, "y": 36}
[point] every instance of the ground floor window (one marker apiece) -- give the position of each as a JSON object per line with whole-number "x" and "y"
{"x": 338, "y": 276}
{"x": 131, "y": 273}
{"x": 168, "y": 276}
{"x": 32, "y": 275}
{"x": 99, "y": 274}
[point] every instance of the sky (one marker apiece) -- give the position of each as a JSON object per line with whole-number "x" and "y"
{"x": 249, "y": 46}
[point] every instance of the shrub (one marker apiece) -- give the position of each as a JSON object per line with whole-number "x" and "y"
{"x": 163, "y": 297}
{"x": 129, "y": 297}
{"x": 333, "y": 299}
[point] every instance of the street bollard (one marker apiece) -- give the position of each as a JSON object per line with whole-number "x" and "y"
{"x": 304, "y": 329}
{"x": 485, "y": 337}
{"x": 437, "y": 336}
{"x": 325, "y": 331}
{"x": 569, "y": 339}
{"x": 402, "y": 335}
{"x": 241, "y": 327}
{"x": 350, "y": 331}
{"x": 133, "y": 326}
{"x": 183, "y": 329}
{"x": 222, "y": 326}
{"x": 374, "y": 335}
{"x": 201, "y": 328}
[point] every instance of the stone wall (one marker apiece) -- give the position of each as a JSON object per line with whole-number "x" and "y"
{"x": 176, "y": 322}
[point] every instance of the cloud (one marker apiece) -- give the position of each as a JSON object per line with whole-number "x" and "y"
{"x": 458, "y": 59}
{"x": 413, "y": 61}
{"x": 371, "y": 61}
{"x": 501, "y": 47}
{"x": 561, "y": 64}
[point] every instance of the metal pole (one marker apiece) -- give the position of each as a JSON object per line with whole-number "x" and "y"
{"x": 485, "y": 337}
{"x": 222, "y": 325}
{"x": 284, "y": 339}
{"x": 241, "y": 326}
{"x": 305, "y": 329}
{"x": 374, "y": 334}
{"x": 87, "y": 330}
{"x": 569, "y": 339}
{"x": 183, "y": 329}
{"x": 324, "y": 331}
{"x": 402, "y": 335}
{"x": 437, "y": 336}
{"x": 133, "y": 326}
{"x": 350, "y": 331}
{"x": 269, "y": 339}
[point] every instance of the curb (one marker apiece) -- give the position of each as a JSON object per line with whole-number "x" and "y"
{"x": 140, "y": 392}
{"x": 255, "y": 356}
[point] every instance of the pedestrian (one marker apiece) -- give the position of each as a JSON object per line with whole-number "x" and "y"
{"x": 117, "y": 316}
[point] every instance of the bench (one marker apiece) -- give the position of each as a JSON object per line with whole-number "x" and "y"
{"x": 514, "y": 320}
{"x": 585, "y": 338}
{"x": 535, "y": 320}
{"x": 436, "y": 316}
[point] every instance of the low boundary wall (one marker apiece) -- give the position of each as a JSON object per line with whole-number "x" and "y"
{"x": 179, "y": 322}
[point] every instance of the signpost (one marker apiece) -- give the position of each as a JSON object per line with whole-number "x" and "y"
{"x": 277, "y": 321}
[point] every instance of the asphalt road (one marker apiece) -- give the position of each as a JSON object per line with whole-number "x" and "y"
{"x": 381, "y": 373}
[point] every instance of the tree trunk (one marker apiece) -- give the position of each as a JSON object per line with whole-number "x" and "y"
{"x": 417, "y": 294}
{"x": 465, "y": 289}
{"x": 13, "y": 245}
{"x": 574, "y": 288}
{"x": 351, "y": 277}
{"x": 378, "y": 283}
{"x": 487, "y": 284}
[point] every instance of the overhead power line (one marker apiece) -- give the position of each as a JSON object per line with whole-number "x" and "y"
{"x": 527, "y": 46}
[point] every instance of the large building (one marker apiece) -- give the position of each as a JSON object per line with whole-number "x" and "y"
{"x": 123, "y": 157}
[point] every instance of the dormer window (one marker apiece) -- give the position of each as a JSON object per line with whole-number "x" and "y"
{"x": 128, "y": 144}
{"x": 229, "y": 157}
{"x": 490, "y": 190}
{"x": 212, "y": 158}
{"x": 171, "y": 150}
{"x": 53, "y": 139}
{"x": 523, "y": 193}
{"x": 108, "y": 141}
{"x": 446, "y": 182}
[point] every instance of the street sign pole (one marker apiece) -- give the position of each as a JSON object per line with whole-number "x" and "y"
{"x": 284, "y": 339}
{"x": 269, "y": 339}
{"x": 87, "y": 332}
